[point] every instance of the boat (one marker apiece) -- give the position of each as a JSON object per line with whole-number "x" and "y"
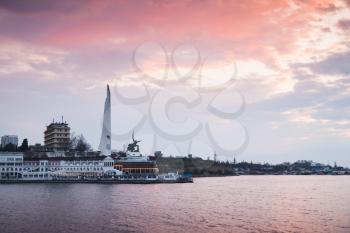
{"x": 135, "y": 165}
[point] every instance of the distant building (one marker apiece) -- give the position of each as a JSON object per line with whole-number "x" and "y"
{"x": 7, "y": 139}
{"x": 37, "y": 147}
{"x": 57, "y": 136}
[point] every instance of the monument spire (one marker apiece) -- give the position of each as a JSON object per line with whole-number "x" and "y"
{"x": 105, "y": 142}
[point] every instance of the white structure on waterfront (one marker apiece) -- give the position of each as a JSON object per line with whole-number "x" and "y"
{"x": 11, "y": 165}
{"x": 105, "y": 142}
{"x": 69, "y": 168}
{"x": 7, "y": 139}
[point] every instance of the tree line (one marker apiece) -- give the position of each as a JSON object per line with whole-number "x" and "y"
{"x": 14, "y": 148}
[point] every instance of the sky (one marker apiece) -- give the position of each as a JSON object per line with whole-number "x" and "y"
{"x": 267, "y": 81}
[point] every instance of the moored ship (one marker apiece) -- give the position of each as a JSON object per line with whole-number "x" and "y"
{"x": 134, "y": 165}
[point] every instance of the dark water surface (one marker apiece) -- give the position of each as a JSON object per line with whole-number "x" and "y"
{"x": 230, "y": 204}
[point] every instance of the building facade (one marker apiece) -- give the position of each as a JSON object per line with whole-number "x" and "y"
{"x": 57, "y": 136}
{"x": 11, "y": 165}
{"x": 7, "y": 139}
{"x": 69, "y": 168}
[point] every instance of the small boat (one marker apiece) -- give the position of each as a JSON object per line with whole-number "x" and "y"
{"x": 171, "y": 176}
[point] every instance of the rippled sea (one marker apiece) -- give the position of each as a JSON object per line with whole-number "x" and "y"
{"x": 226, "y": 204}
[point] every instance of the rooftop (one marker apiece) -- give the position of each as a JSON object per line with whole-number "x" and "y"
{"x": 58, "y": 124}
{"x": 67, "y": 158}
{"x": 10, "y": 153}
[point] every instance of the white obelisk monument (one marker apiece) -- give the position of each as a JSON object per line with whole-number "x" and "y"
{"x": 105, "y": 143}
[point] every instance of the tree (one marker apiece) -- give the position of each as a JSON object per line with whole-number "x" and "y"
{"x": 79, "y": 143}
{"x": 10, "y": 147}
{"x": 24, "y": 147}
{"x": 82, "y": 144}
{"x": 72, "y": 142}
{"x": 158, "y": 154}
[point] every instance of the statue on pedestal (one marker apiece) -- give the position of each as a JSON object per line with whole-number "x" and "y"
{"x": 134, "y": 147}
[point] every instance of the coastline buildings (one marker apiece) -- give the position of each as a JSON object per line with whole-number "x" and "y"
{"x": 57, "y": 136}
{"x": 9, "y": 139}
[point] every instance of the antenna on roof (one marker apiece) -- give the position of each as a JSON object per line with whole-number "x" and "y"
{"x": 62, "y": 119}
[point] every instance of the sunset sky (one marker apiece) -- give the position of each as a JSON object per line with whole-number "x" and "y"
{"x": 292, "y": 60}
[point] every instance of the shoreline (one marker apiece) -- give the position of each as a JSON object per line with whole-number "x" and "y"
{"x": 95, "y": 181}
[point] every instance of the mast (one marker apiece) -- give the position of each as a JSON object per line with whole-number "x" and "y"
{"x": 105, "y": 142}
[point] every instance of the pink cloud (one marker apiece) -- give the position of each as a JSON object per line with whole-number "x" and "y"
{"x": 252, "y": 27}
{"x": 344, "y": 24}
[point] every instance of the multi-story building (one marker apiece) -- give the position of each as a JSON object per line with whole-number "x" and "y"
{"x": 57, "y": 136}
{"x": 68, "y": 168}
{"x": 11, "y": 165}
{"x": 7, "y": 139}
